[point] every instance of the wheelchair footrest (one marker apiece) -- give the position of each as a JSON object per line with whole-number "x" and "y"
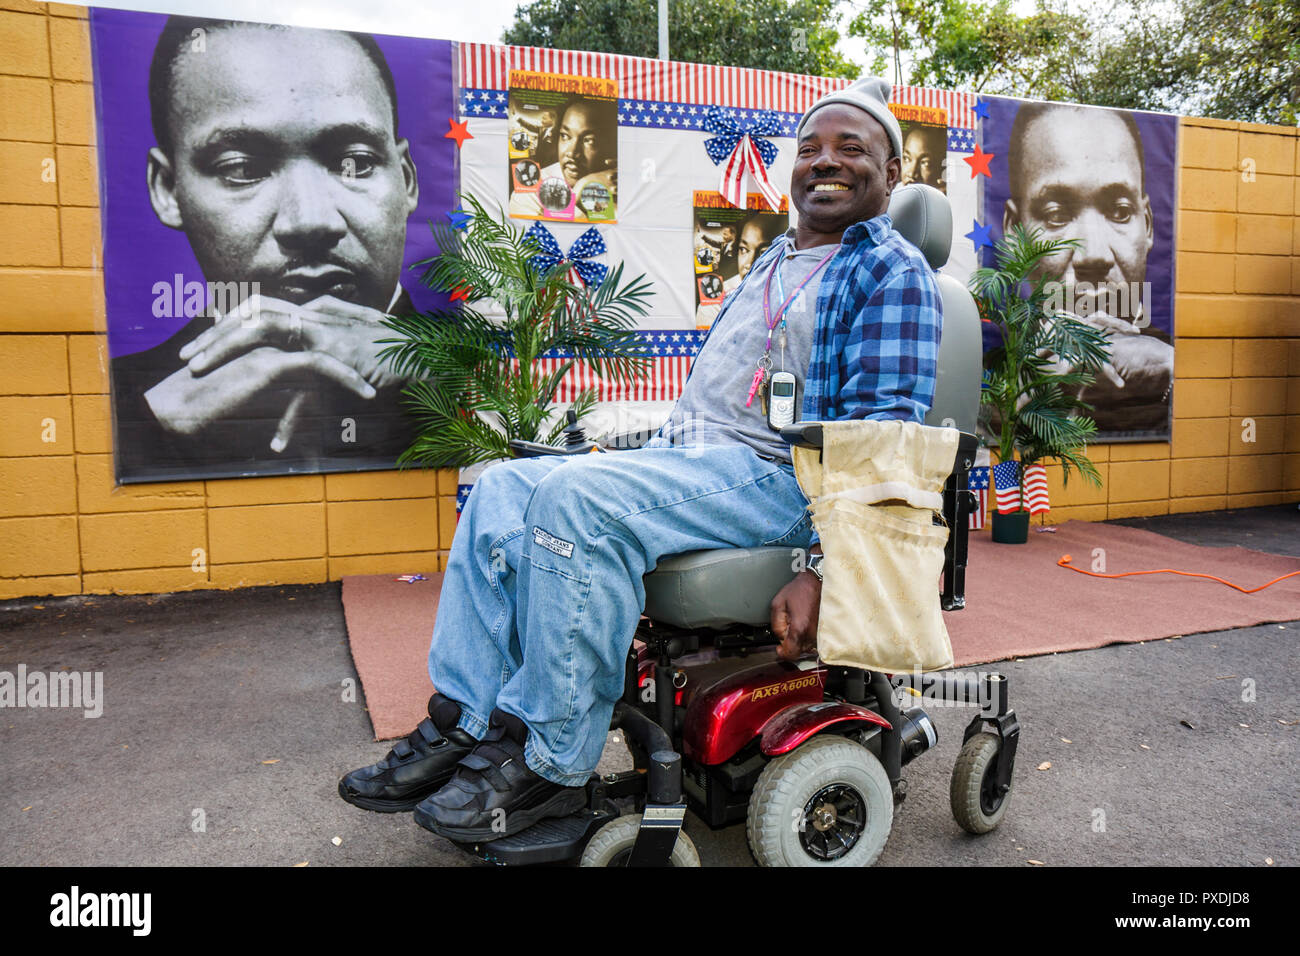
{"x": 547, "y": 841}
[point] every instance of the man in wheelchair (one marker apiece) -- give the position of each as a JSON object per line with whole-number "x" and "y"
{"x": 543, "y": 588}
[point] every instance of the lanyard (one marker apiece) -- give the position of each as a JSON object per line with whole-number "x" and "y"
{"x": 765, "y": 360}
{"x": 770, "y": 319}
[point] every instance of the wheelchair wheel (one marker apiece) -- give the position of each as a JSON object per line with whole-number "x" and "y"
{"x": 976, "y": 804}
{"x": 828, "y": 803}
{"x": 612, "y": 845}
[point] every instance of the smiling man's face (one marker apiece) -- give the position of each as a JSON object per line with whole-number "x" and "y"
{"x": 286, "y": 170}
{"x": 842, "y": 173}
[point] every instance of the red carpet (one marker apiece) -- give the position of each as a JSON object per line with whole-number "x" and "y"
{"x": 1018, "y": 603}
{"x": 389, "y": 624}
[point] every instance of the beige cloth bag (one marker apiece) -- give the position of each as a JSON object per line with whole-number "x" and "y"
{"x": 874, "y": 490}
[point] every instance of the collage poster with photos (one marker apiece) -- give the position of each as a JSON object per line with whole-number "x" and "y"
{"x": 563, "y": 147}
{"x": 925, "y": 145}
{"x": 727, "y": 241}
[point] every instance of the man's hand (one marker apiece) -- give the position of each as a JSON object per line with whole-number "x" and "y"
{"x": 327, "y": 325}
{"x": 186, "y": 404}
{"x": 795, "y": 611}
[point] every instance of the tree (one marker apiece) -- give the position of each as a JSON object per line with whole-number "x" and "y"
{"x": 1246, "y": 59}
{"x": 796, "y": 36}
{"x": 1135, "y": 55}
{"x": 1229, "y": 59}
{"x": 969, "y": 44}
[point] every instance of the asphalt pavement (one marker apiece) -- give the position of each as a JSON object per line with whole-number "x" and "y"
{"x": 226, "y": 723}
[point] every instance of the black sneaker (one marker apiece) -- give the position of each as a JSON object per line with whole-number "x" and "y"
{"x": 494, "y": 794}
{"x": 417, "y": 767}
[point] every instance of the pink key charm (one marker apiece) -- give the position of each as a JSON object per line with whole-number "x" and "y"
{"x": 759, "y": 374}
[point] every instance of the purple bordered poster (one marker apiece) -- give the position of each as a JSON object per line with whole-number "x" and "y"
{"x": 265, "y": 190}
{"x": 1107, "y": 178}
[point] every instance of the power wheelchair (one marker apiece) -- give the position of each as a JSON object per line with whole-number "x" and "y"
{"x": 809, "y": 755}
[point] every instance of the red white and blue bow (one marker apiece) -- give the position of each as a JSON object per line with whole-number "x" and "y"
{"x": 741, "y": 147}
{"x": 589, "y": 244}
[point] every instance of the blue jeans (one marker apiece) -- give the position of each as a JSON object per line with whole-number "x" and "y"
{"x": 543, "y": 588}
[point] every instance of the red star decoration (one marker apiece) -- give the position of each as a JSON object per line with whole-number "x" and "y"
{"x": 979, "y": 163}
{"x": 459, "y": 132}
{"x": 461, "y": 292}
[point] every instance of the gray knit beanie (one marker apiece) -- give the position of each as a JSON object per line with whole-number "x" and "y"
{"x": 870, "y": 94}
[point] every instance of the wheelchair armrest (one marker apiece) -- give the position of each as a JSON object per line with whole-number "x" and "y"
{"x": 533, "y": 449}
{"x": 626, "y": 441}
{"x": 804, "y": 434}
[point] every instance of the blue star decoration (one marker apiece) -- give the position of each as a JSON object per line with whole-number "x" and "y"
{"x": 979, "y": 235}
{"x": 459, "y": 218}
{"x": 980, "y": 109}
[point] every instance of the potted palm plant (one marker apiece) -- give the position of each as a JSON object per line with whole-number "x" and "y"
{"x": 1034, "y": 377}
{"x": 475, "y": 375}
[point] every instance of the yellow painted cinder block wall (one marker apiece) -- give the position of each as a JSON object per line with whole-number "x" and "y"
{"x": 64, "y": 528}
{"x": 1236, "y": 431}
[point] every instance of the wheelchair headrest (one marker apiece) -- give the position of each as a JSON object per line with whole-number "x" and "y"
{"x": 924, "y": 217}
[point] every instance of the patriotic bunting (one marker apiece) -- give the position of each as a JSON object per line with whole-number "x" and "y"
{"x": 666, "y": 111}
{"x": 978, "y": 483}
{"x": 1006, "y": 478}
{"x": 589, "y": 244}
{"x": 1036, "y": 489}
{"x": 740, "y": 150}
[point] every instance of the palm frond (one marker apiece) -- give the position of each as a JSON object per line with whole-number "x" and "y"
{"x": 1033, "y": 381}
{"x": 475, "y": 381}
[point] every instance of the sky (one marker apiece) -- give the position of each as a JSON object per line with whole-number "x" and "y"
{"x": 480, "y": 21}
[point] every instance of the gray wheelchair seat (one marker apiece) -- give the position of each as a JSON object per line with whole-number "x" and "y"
{"x": 717, "y": 588}
{"x": 736, "y": 585}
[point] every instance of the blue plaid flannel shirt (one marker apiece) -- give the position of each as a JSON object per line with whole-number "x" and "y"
{"x": 879, "y": 317}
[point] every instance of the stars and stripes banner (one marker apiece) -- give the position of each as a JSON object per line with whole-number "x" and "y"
{"x": 1036, "y": 489}
{"x": 663, "y": 126}
{"x": 978, "y": 483}
{"x": 488, "y": 66}
{"x": 1006, "y": 481}
{"x": 664, "y": 111}
{"x": 1006, "y": 478}
{"x": 670, "y": 351}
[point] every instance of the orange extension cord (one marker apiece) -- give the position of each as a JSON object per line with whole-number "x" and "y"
{"x": 1065, "y": 563}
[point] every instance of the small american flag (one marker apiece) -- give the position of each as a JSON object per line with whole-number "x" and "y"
{"x": 1006, "y": 480}
{"x": 1036, "y": 489}
{"x": 978, "y": 482}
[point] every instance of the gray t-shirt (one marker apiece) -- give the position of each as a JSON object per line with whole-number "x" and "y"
{"x": 711, "y": 409}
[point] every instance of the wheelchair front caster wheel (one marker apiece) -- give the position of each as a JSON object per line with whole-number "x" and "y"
{"x": 828, "y": 803}
{"x": 612, "y": 845}
{"x": 976, "y": 804}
